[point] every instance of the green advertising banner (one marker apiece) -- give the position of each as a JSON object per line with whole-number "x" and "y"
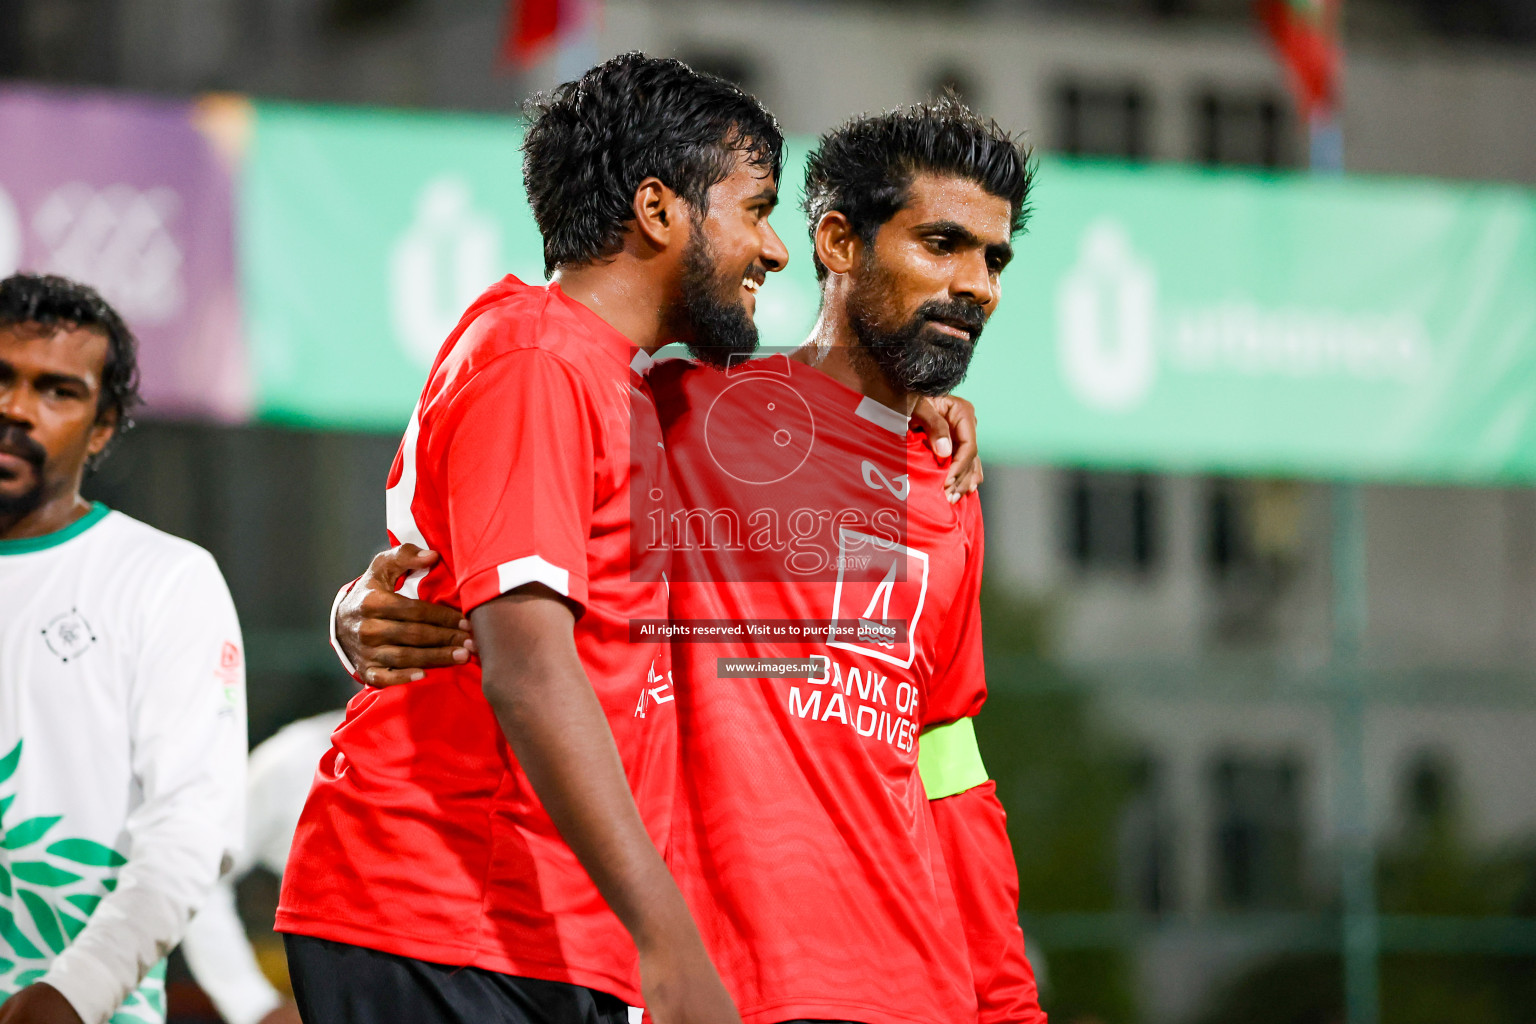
{"x": 366, "y": 233}
{"x": 1180, "y": 319}
{"x": 1156, "y": 317}
{"x": 363, "y": 237}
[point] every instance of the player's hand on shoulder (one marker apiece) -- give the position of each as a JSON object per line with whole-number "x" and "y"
{"x": 950, "y": 423}
{"x": 391, "y": 639}
{"x": 38, "y": 1003}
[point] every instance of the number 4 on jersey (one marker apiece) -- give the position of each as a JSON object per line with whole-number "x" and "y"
{"x": 880, "y": 579}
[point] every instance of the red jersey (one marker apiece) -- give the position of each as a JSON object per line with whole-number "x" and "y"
{"x": 422, "y": 836}
{"x": 803, "y": 836}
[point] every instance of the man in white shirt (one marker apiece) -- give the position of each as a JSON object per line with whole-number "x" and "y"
{"x": 122, "y": 688}
{"x": 216, "y": 946}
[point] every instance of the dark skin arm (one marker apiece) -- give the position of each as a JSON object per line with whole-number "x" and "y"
{"x": 38, "y": 1003}
{"x": 391, "y": 639}
{"x": 535, "y": 684}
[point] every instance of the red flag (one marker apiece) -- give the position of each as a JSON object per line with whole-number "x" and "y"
{"x": 533, "y": 26}
{"x": 1306, "y": 32}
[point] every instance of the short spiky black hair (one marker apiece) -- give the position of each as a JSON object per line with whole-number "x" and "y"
{"x": 49, "y": 302}
{"x": 864, "y": 168}
{"x": 592, "y": 141}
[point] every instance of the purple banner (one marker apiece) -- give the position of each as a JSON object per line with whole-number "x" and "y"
{"x": 134, "y": 197}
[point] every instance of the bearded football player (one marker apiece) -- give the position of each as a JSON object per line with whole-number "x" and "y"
{"x": 858, "y": 798}
{"x": 484, "y": 847}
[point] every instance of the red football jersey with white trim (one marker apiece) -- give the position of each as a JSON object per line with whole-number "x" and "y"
{"x": 803, "y": 836}
{"x": 422, "y": 835}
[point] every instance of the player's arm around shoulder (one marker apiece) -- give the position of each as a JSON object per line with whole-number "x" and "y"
{"x": 186, "y": 721}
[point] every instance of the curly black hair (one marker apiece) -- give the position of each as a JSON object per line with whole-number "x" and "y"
{"x": 864, "y": 168}
{"x": 592, "y": 141}
{"x": 49, "y": 301}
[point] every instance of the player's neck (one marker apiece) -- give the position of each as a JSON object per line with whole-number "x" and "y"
{"x": 49, "y": 517}
{"x": 833, "y": 349}
{"x": 626, "y": 296}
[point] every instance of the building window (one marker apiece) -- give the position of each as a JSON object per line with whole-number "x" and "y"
{"x": 1102, "y": 119}
{"x": 1111, "y": 520}
{"x": 1253, "y": 547}
{"x": 1227, "y": 541}
{"x": 1243, "y": 129}
{"x": 1257, "y": 804}
{"x": 1146, "y": 840}
{"x": 1428, "y": 798}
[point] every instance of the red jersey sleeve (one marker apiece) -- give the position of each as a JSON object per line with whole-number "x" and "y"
{"x": 516, "y": 450}
{"x": 959, "y": 685}
{"x": 971, "y": 825}
{"x": 973, "y": 832}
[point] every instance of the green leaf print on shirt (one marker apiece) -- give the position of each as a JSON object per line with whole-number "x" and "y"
{"x": 38, "y": 873}
{"x": 46, "y": 895}
{"x": 72, "y": 925}
{"x": 19, "y": 943}
{"x": 25, "y": 833}
{"x": 44, "y": 918}
{"x": 83, "y": 851}
{"x": 9, "y": 762}
{"x": 85, "y": 903}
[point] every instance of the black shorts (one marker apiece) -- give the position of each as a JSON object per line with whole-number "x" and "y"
{"x": 335, "y": 983}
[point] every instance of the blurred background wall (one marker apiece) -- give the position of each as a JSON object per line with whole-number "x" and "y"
{"x": 1187, "y": 753}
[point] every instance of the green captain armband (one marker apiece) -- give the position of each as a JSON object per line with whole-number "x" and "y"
{"x": 948, "y": 760}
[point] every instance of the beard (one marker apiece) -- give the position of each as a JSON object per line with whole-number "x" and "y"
{"x": 912, "y": 356}
{"x": 709, "y": 316}
{"x": 15, "y": 504}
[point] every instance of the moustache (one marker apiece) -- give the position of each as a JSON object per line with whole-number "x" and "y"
{"x": 968, "y": 316}
{"x": 15, "y": 441}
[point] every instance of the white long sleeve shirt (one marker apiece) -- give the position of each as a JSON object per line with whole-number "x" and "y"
{"x": 122, "y": 758}
{"x": 216, "y": 947}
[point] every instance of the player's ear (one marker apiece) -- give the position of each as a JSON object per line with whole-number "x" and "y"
{"x": 101, "y": 432}
{"x": 658, "y": 213}
{"x": 837, "y": 244}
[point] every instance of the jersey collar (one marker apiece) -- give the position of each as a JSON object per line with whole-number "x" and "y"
{"x": 861, "y": 405}
{"x": 27, "y": 545}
